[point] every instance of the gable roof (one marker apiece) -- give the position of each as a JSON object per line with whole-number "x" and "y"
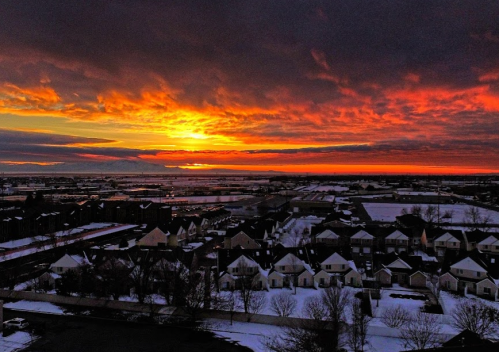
{"x": 328, "y": 234}
{"x": 153, "y": 238}
{"x": 447, "y": 237}
{"x": 399, "y": 264}
{"x": 468, "y": 264}
{"x": 397, "y": 235}
{"x": 363, "y": 235}
{"x": 335, "y": 258}
{"x": 243, "y": 260}
{"x": 70, "y": 261}
{"x": 289, "y": 259}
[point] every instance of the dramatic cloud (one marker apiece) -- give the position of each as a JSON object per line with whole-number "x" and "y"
{"x": 253, "y": 82}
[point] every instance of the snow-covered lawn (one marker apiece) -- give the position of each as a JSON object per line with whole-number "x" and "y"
{"x": 33, "y": 306}
{"x": 250, "y": 335}
{"x": 15, "y": 342}
{"x": 387, "y": 301}
{"x": 388, "y": 211}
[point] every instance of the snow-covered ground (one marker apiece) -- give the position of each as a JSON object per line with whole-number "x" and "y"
{"x": 388, "y": 211}
{"x": 16, "y": 341}
{"x": 45, "y": 307}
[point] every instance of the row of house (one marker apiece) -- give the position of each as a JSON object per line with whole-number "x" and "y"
{"x": 279, "y": 267}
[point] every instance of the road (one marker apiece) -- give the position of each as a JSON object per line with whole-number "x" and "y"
{"x": 83, "y": 334}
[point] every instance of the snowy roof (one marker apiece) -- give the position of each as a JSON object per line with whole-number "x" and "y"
{"x": 399, "y": 264}
{"x": 335, "y": 258}
{"x": 397, "y": 235}
{"x": 447, "y": 237}
{"x": 328, "y": 234}
{"x": 70, "y": 261}
{"x": 491, "y": 240}
{"x": 153, "y": 238}
{"x": 363, "y": 235}
{"x": 242, "y": 260}
{"x": 468, "y": 264}
{"x": 289, "y": 259}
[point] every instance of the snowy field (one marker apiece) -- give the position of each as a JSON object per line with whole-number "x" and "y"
{"x": 200, "y": 199}
{"x": 322, "y": 188}
{"x": 388, "y": 211}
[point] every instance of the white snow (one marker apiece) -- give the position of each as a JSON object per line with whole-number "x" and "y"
{"x": 15, "y": 342}
{"x": 33, "y": 306}
{"x": 388, "y": 211}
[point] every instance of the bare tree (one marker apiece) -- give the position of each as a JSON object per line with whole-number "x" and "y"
{"x": 247, "y": 284}
{"x": 430, "y": 214}
{"x": 475, "y": 220}
{"x": 314, "y": 310}
{"x": 114, "y": 277}
{"x": 476, "y": 317}
{"x": 227, "y": 301}
{"x": 448, "y": 214}
{"x": 283, "y": 304}
{"x": 335, "y": 300}
{"x": 194, "y": 293}
{"x": 395, "y": 317}
{"x": 416, "y": 210}
{"x": 141, "y": 276}
{"x": 421, "y": 331}
{"x": 257, "y": 303}
{"x": 323, "y": 321}
{"x": 357, "y": 331}
{"x": 294, "y": 339}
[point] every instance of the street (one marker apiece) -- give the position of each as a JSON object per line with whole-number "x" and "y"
{"x": 75, "y": 334}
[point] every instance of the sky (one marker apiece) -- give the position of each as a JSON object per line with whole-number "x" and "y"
{"x": 296, "y": 86}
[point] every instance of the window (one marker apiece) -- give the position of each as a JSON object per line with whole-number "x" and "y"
{"x": 343, "y": 266}
{"x": 367, "y": 250}
{"x": 321, "y": 281}
{"x": 283, "y": 267}
{"x": 486, "y": 290}
{"x": 356, "y": 249}
{"x": 460, "y": 271}
{"x": 235, "y": 270}
{"x": 477, "y": 274}
{"x": 305, "y": 282}
{"x": 274, "y": 284}
{"x": 328, "y": 267}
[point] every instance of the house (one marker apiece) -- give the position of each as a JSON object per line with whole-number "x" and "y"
{"x": 242, "y": 240}
{"x": 397, "y": 241}
{"x": 362, "y": 244}
{"x": 157, "y": 239}
{"x": 489, "y": 244}
{"x": 418, "y": 279}
{"x": 327, "y": 237}
{"x": 476, "y": 273}
{"x": 243, "y": 270}
{"x": 69, "y": 262}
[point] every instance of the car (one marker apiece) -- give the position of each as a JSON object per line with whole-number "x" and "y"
{"x": 16, "y": 323}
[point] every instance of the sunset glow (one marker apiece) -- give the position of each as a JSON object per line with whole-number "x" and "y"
{"x": 294, "y": 86}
